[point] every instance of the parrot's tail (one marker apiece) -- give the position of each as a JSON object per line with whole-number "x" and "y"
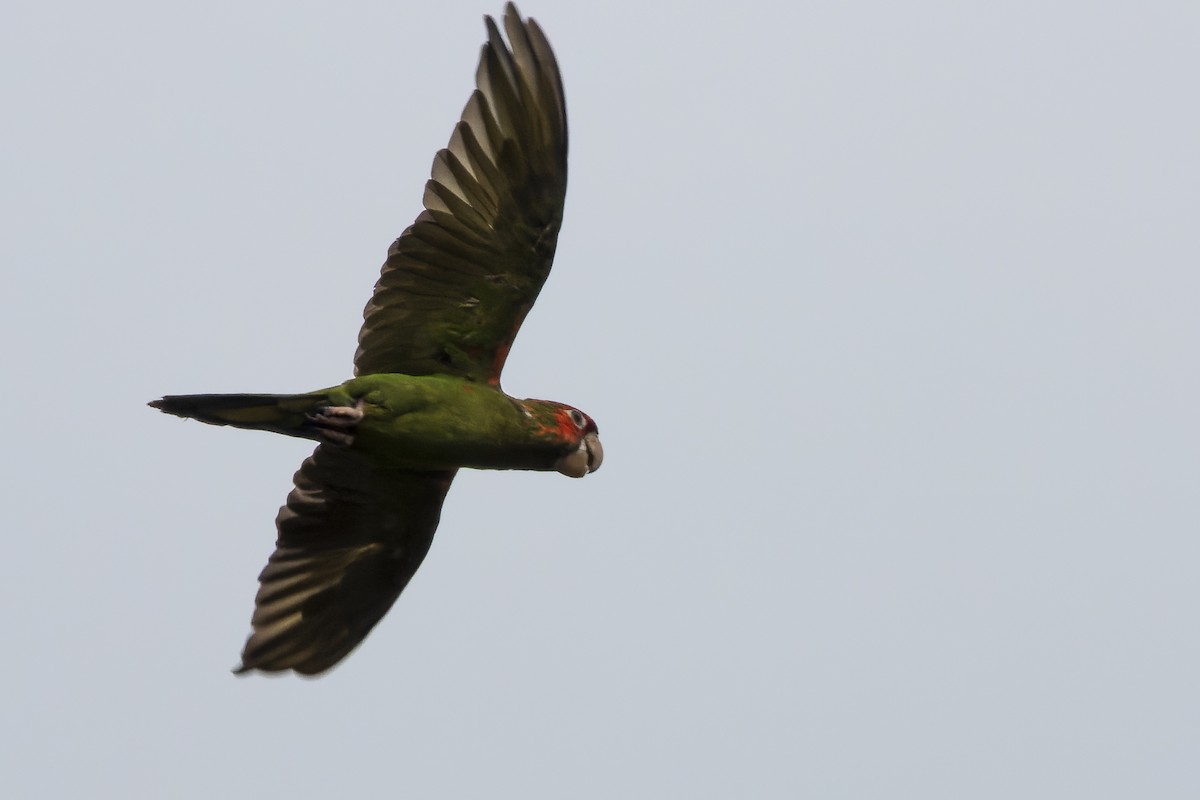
{"x": 305, "y": 415}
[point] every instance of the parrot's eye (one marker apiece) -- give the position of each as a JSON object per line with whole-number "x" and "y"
{"x": 577, "y": 418}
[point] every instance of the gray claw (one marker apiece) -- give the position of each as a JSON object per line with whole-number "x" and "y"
{"x": 337, "y": 424}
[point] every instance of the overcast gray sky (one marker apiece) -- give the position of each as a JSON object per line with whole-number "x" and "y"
{"x": 887, "y": 313}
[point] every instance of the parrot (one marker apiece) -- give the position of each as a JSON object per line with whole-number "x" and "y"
{"x": 425, "y": 399}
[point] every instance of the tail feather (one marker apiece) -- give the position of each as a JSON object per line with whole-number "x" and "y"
{"x": 282, "y": 413}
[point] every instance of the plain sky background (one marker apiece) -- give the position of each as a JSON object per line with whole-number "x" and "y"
{"x": 887, "y": 313}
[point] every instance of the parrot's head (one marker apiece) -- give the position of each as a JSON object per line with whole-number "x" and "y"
{"x": 573, "y": 431}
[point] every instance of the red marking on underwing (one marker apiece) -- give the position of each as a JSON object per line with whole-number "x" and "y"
{"x": 498, "y": 363}
{"x": 502, "y": 349}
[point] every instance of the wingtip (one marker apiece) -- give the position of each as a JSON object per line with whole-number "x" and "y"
{"x": 242, "y": 670}
{"x": 510, "y": 10}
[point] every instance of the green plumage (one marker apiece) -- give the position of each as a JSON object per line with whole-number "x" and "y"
{"x": 409, "y": 422}
{"x": 451, "y": 296}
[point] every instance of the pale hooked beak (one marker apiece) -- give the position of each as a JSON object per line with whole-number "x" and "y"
{"x": 583, "y": 459}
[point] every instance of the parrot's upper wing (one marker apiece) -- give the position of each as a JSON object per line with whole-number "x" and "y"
{"x": 350, "y": 537}
{"x": 458, "y": 283}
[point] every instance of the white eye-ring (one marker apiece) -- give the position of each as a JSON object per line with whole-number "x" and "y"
{"x": 577, "y": 418}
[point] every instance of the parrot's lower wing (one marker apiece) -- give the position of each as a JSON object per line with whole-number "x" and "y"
{"x": 350, "y": 537}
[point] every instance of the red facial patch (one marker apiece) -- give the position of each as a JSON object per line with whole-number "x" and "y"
{"x": 561, "y": 426}
{"x": 568, "y": 431}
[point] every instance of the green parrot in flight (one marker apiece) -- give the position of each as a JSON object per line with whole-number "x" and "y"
{"x": 426, "y": 399}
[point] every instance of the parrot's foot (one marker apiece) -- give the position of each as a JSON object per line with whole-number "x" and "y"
{"x": 336, "y": 424}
